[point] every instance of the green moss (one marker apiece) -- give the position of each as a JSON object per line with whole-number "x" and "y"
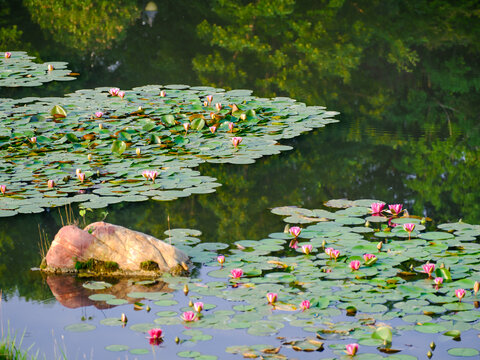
{"x": 149, "y": 265}
{"x": 43, "y": 264}
{"x": 96, "y": 266}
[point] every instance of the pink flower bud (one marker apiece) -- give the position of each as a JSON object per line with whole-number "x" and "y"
{"x": 51, "y": 184}
{"x": 307, "y": 249}
{"x": 198, "y": 306}
{"x": 367, "y": 257}
{"x": 3, "y": 189}
{"x": 163, "y": 93}
{"x": 98, "y": 114}
{"x": 272, "y": 297}
{"x": 186, "y": 126}
{"x": 351, "y": 349}
{"x": 218, "y": 106}
{"x": 305, "y": 305}
{"x": 81, "y": 177}
{"x": 121, "y": 94}
{"x": 188, "y": 316}
{"x": 114, "y": 91}
{"x": 354, "y": 265}
{"x": 236, "y": 273}
{"x": 438, "y": 281}
{"x": 408, "y": 227}
{"x": 209, "y": 98}
{"x": 230, "y": 126}
{"x": 428, "y": 268}
{"x": 460, "y": 294}
{"x": 236, "y": 141}
{"x": 212, "y": 129}
{"x": 221, "y": 259}
{"x": 8, "y": 55}
{"x": 295, "y": 231}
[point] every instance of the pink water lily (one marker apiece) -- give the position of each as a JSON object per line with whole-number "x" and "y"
{"x": 354, "y": 265}
{"x": 150, "y": 174}
{"x": 33, "y": 140}
{"x": 408, "y": 227}
{"x": 212, "y": 129}
{"x": 221, "y": 259}
{"x": 121, "y": 94}
{"x": 428, "y": 268}
{"x": 163, "y": 93}
{"x": 236, "y": 140}
{"x": 50, "y": 67}
{"x": 305, "y": 305}
{"x": 272, "y": 297}
{"x": 155, "y": 336}
{"x": 230, "y": 126}
{"x": 351, "y": 349}
{"x": 8, "y": 55}
{"x": 295, "y": 231}
{"x": 51, "y": 184}
{"x": 186, "y": 126}
{"x": 335, "y": 254}
{"x": 81, "y": 177}
{"x": 218, "y": 106}
{"x": 328, "y": 251}
{"x": 307, "y": 249}
{"x": 243, "y": 116}
{"x": 236, "y": 273}
{"x": 98, "y": 114}
{"x": 395, "y": 209}
{"x": 209, "y": 98}
{"x": 189, "y": 316}
{"x": 377, "y": 208}
{"x": 367, "y": 257}
{"x": 438, "y": 281}
{"x": 460, "y": 294}
{"x": 114, "y": 91}
{"x": 198, "y": 306}
{"x": 3, "y": 189}
{"x": 78, "y": 171}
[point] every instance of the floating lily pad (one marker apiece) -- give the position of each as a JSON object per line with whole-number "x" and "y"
{"x": 80, "y": 327}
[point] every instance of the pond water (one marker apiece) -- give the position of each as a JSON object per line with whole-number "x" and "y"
{"x": 406, "y": 84}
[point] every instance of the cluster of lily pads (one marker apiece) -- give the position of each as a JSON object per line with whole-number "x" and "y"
{"x": 93, "y": 146}
{"x": 17, "y": 69}
{"x": 356, "y": 281}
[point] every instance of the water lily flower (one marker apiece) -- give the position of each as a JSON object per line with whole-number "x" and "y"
{"x": 335, "y": 254}
{"x": 243, "y": 116}
{"x": 408, "y": 227}
{"x": 367, "y": 257}
{"x": 218, "y": 106}
{"x": 438, "y": 281}
{"x": 114, "y": 91}
{"x": 377, "y": 208}
{"x": 163, "y": 93}
{"x": 33, "y": 140}
{"x": 209, "y": 98}
{"x": 305, "y": 305}
{"x": 328, "y": 251}
{"x": 155, "y": 336}
{"x": 50, "y": 67}
{"x": 121, "y": 94}
{"x": 150, "y": 174}
{"x": 123, "y": 318}
{"x": 198, "y": 306}
{"x": 236, "y": 140}
{"x": 205, "y": 103}
{"x": 295, "y": 231}
{"x": 186, "y": 126}
{"x": 307, "y": 249}
{"x": 81, "y": 177}
{"x": 428, "y": 268}
{"x": 476, "y": 287}
{"x": 188, "y": 316}
{"x": 272, "y": 297}
{"x": 395, "y": 209}
{"x": 98, "y": 114}
{"x": 3, "y": 188}
{"x": 236, "y": 273}
{"x": 354, "y": 265}
{"x": 230, "y": 126}
{"x": 8, "y": 55}
{"x": 460, "y": 293}
{"x": 138, "y": 151}
{"x": 51, "y": 184}
{"x": 351, "y": 349}
{"x": 221, "y": 259}
{"x": 212, "y": 129}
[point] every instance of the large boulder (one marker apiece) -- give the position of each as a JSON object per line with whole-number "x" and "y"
{"x": 114, "y": 247}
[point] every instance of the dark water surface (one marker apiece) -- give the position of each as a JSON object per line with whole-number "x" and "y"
{"x": 405, "y": 76}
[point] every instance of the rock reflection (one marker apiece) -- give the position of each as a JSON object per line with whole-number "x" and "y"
{"x": 69, "y": 291}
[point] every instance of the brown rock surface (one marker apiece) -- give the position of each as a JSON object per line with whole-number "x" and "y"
{"x": 107, "y": 242}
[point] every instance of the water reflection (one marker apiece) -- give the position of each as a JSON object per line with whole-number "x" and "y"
{"x": 70, "y": 292}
